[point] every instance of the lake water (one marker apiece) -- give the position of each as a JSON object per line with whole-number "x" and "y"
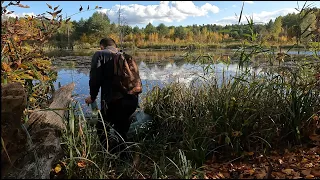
{"x": 151, "y": 75}
{"x": 156, "y": 68}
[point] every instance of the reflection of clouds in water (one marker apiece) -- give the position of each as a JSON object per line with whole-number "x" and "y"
{"x": 186, "y": 73}
{"x": 151, "y": 75}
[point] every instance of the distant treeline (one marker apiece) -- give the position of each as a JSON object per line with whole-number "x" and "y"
{"x": 284, "y": 30}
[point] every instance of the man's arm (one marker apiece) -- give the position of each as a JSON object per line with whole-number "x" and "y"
{"x": 95, "y": 76}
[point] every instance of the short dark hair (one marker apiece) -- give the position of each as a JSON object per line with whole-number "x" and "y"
{"x": 108, "y": 42}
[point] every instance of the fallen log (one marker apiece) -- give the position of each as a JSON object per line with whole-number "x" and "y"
{"x": 44, "y": 130}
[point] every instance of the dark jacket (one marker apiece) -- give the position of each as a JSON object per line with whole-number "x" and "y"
{"x": 101, "y": 74}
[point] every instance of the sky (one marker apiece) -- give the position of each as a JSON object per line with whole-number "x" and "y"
{"x": 140, "y": 13}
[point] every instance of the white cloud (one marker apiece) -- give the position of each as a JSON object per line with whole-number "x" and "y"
{"x": 234, "y": 6}
{"x": 166, "y": 11}
{"x": 263, "y": 17}
{"x": 20, "y": 14}
{"x": 248, "y": 2}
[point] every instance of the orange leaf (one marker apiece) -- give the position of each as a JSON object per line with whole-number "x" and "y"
{"x": 81, "y": 164}
{"x": 5, "y": 67}
{"x": 250, "y": 153}
{"x": 306, "y": 172}
{"x": 310, "y": 176}
{"x": 288, "y": 171}
{"x": 220, "y": 175}
{"x": 251, "y": 172}
{"x": 236, "y": 133}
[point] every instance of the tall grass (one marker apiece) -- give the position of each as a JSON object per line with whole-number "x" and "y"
{"x": 245, "y": 114}
{"x": 85, "y": 157}
{"x": 227, "y": 118}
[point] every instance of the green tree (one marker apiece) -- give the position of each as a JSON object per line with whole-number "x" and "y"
{"x": 163, "y": 30}
{"x": 80, "y": 28}
{"x": 290, "y": 20}
{"x": 150, "y": 29}
{"x": 269, "y": 25}
{"x": 99, "y": 25}
{"x": 126, "y": 30}
{"x": 180, "y": 32}
{"x": 63, "y": 36}
{"x": 136, "y": 30}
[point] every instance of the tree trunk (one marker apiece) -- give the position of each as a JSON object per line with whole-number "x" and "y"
{"x": 44, "y": 131}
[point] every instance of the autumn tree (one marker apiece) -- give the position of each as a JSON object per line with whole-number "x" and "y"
{"x": 276, "y": 27}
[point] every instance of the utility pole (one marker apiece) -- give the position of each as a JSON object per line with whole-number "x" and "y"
{"x": 67, "y": 31}
{"x": 120, "y": 28}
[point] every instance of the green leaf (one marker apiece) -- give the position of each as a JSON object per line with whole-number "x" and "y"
{"x": 227, "y": 140}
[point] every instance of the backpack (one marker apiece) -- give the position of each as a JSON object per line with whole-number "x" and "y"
{"x": 126, "y": 74}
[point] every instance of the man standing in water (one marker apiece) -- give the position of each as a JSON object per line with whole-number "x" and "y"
{"x": 119, "y": 93}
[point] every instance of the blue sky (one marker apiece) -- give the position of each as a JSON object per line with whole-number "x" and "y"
{"x": 171, "y": 12}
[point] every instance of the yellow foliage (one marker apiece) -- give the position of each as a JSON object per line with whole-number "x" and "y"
{"x": 58, "y": 168}
{"x": 283, "y": 39}
{"x": 5, "y": 67}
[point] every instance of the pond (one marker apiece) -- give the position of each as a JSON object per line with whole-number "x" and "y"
{"x": 156, "y": 68}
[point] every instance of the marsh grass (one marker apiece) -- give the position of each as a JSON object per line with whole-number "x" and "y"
{"x": 249, "y": 112}
{"x": 245, "y": 114}
{"x": 85, "y": 157}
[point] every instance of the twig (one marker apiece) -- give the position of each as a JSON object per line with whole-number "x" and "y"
{"x": 270, "y": 169}
{"x": 235, "y": 159}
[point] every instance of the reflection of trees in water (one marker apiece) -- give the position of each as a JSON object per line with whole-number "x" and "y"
{"x": 156, "y": 56}
{"x": 150, "y": 65}
{"x": 85, "y": 71}
{"x": 161, "y": 66}
{"x": 180, "y": 63}
{"x": 161, "y": 61}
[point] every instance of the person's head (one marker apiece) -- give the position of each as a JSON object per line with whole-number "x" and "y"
{"x": 107, "y": 42}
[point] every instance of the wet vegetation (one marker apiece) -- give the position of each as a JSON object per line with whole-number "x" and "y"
{"x": 250, "y": 117}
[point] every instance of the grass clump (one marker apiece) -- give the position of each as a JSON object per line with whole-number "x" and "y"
{"x": 247, "y": 113}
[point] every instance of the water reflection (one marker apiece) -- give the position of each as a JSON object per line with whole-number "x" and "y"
{"x": 151, "y": 74}
{"x": 156, "y": 68}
